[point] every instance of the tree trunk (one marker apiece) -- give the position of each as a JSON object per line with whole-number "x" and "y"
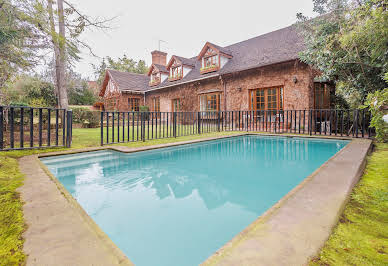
{"x": 54, "y": 39}
{"x": 59, "y": 43}
{"x": 62, "y": 90}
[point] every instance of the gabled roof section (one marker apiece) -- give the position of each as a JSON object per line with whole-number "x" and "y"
{"x": 186, "y": 61}
{"x": 217, "y": 48}
{"x": 160, "y": 68}
{"x": 182, "y": 60}
{"x": 125, "y": 81}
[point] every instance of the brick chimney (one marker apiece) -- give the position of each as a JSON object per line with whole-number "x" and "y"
{"x": 159, "y": 57}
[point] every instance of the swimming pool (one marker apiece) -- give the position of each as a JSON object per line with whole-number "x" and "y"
{"x": 178, "y": 205}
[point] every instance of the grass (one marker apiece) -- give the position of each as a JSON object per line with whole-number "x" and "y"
{"x": 11, "y": 214}
{"x": 90, "y": 137}
{"x": 361, "y": 236}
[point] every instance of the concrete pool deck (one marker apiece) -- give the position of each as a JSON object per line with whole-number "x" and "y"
{"x": 60, "y": 233}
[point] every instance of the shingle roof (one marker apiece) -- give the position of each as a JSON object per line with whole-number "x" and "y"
{"x": 271, "y": 48}
{"x": 129, "y": 81}
{"x": 161, "y": 68}
{"x": 221, "y": 49}
{"x": 186, "y": 61}
{"x": 274, "y": 47}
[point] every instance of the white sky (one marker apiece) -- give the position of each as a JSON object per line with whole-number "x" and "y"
{"x": 184, "y": 25}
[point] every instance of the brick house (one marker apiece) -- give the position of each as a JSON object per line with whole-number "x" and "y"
{"x": 256, "y": 74}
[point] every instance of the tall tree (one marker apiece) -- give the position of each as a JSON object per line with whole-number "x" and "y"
{"x": 122, "y": 64}
{"x": 20, "y": 37}
{"x": 348, "y": 43}
{"x": 66, "y": 40}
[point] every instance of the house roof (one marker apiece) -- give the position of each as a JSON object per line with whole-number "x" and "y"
{"x": 126, "y": 81}
{"x": 220, "y": 49}
{"x": 161, "y": 68}
{"x": 271, "y": 48}
{"x": 184, "y": 61}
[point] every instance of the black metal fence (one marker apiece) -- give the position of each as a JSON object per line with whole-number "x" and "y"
{"x": 120, "y": 127}
{"x": 29, "y": 127}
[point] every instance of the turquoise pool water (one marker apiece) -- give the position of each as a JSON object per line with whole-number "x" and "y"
{"x": 178, "y": 205}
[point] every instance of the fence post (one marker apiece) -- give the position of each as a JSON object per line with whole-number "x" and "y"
{"x": 174, "y": 124}
{"x": 142, "y": 125}
{"x": 246, "y": 120}
{"x": 102, "y": 128}
{"x": 218, "y": 121}
{"x": 1, "y": 128}
{"x": 69, "y": 116}
{"x": 199, "y": 122}
{"x": 310, "y": 122}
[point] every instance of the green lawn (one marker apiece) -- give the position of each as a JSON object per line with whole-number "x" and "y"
{"x": 89, "y": 137}
{"x": 361, "y": 236}
{"x": 11, "y": 215}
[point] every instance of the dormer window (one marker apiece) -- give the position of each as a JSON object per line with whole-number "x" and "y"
{"x": 179, "y": 67}
{"x": 175, "y": 73}
{"x": 210, "y": 63}
{"x": 155, "y": 79}
{"x": 157, "y": 74}
{"x": 213, "y": 58}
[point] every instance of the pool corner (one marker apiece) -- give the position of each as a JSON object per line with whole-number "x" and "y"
{"x": 295, "y": 228}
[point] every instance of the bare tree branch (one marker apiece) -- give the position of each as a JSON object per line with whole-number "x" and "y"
{"x": 97, "y": 23}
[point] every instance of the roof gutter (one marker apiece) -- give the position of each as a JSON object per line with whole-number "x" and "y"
{"x": 139, "y": 92}
{"x": 189, "y": 81}
{"x": 212, "y": 76}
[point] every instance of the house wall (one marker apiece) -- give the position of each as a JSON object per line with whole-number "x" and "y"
{"x": 118, "y": 101}
{"x": 187, "y": 93}
{"x": 297, "y": 95}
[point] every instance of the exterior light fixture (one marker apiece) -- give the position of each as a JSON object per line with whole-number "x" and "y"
{"x": 295, "y": 80}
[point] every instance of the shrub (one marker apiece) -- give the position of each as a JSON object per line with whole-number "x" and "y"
{"x": 86, "y": 117}
{"x": 376, "y": 103}
{"x": 145, "y": 109}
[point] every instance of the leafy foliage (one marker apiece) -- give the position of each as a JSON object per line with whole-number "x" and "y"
{"x": 348, "y": 45}
{"x": 122, "y": 64}
{"x": 20, "y": 37}
{"x": 81, "y": 96}
{"x": 376, "y": 102}
{"x": 86, "y": 117}
{"x": 32, "y": 91}
{"x": 78, "y": 90}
